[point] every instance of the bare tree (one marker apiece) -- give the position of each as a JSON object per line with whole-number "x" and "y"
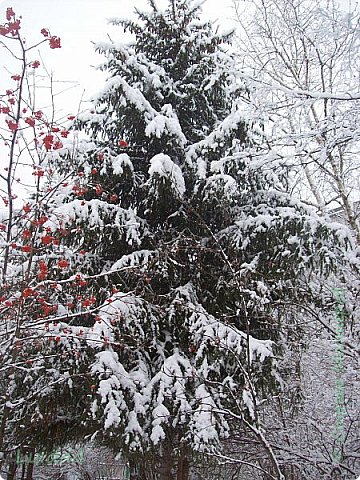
{"x": 302, "y": 62}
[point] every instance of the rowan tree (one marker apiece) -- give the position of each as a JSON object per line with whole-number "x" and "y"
{"x": 32, "y": 258}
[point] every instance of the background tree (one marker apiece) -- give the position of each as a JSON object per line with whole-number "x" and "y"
{"x": 299, "y": 59}
{"x": 303, "y": 61}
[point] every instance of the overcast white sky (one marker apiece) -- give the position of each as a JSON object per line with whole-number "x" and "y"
{"x": 78, "y": 23}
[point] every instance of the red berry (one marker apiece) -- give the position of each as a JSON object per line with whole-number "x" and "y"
{"x": 26, "y": 234}
{"x": 123, "y": 143}
{"x": 28, "y": 292}
{"x": 47, "y": 239}
{"x": 63, "y": 263}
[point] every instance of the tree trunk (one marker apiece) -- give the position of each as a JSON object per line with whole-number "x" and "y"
{"x": 6, "y": 411}
{"x": 23, "y": 469}
{"x": 183, "y": 469}
{"x": 30, "y": 465}
{"x": 166, "y": 465}
{"x": 12, "y": 471}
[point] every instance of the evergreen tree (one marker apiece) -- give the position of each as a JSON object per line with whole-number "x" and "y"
{"x": 188, "y": 242}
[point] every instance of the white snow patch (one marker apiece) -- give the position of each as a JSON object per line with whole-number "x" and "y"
{"x": 163, "y": 166}
{"x": 121, "y": 161}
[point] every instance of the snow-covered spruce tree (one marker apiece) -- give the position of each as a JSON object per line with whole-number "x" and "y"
{"x": 187, "y": 241}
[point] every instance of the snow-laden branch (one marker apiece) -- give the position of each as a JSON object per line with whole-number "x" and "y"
{"x": 299, "y": 93}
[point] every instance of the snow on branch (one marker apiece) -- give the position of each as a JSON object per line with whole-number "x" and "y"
{"x": 295, "y": 92}
{"x": 163, "y": 166}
